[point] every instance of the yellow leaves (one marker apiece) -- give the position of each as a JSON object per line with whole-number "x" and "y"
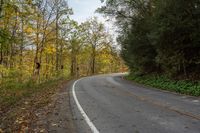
{"x": 50, "y": 50}
{"x": 1, "y": 24}
{"x": 29, "y": 2}
{"x": 28, "y": 30}
{"x": 3, "y": 70}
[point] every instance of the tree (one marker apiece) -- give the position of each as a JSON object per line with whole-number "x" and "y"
{"x": 75, "y": 41}
{"x": 60, "y": 11}
{"x": 132, "y": 19}
{"x": 158, "y": 35}
{"x": 176, "y": 36}
{"x": 39, "y": 42}
{"x": 96, "y": 37}
{"x": 48, "y": 17}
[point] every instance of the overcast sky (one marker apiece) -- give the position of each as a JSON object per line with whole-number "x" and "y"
{"x": 84, "y": 9}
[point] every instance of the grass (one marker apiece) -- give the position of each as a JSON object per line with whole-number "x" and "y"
{"x": 12, "y": 92}
{"x": 164, "y": 83}
{"x": 20, "y": 102}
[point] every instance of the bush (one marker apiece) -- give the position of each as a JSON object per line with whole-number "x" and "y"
{"x": 165, "y": 83}
{"x": 12, "y": 92}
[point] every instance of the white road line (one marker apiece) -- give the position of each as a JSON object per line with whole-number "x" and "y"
{"x": 89, "y": 122}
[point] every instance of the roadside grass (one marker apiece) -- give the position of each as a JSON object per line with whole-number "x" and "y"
{"x": 12, "y": 92}
{"x": 20, "y": 102}
{"x": 164, "y": 83}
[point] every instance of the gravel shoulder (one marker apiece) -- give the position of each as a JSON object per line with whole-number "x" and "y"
{"x": 57, "y": 117}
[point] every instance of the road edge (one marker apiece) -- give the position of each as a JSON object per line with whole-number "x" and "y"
{"x": 86, "y": 118}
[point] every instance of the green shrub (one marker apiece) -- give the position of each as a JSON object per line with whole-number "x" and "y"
{"x": 165, "y": 83}
{"x": 12, "y": 92}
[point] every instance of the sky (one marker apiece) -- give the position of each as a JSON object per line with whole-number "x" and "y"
{"x": 84, "y": 9}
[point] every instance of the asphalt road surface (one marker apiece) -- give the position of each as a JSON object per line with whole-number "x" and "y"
{"x": 110, "y": 104}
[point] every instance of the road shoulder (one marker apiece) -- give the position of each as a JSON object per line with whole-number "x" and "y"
{"x": 47, "y": 111}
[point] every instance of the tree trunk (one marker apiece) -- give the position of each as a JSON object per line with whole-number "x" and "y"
{"x": 185, "y": 70}
{"x": 11, "y": 62}
{"x": 93, "y": 60}
{"x": 61, "y": 58}
{"x": 1, "y": 7}
{"x": 57, "y": 49}
{"x": 35, "y": 70}
{"x": 73, "y": 64}
{"x": 47, "y": 67}
{"x": 1, "y": 54}
{"x": 21, "y": 46}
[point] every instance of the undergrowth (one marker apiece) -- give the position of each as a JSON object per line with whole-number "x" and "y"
{"x": 11, "y": 92}
{"x": 162, "y": 82}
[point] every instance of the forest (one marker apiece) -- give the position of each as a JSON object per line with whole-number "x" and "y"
{"x": 42, "y": 50}
{"x": 160, "y": 41}
{"x": 39, "y": 41}
{"x": 40, "y": 44}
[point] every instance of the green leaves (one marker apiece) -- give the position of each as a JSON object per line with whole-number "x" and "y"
{"x": 4, "y": 36}
{"x": 158, "y": 35}
{"x": 165, "y": 83}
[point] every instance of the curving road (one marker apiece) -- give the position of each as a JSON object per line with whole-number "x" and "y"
{"x": 109, "y": 104}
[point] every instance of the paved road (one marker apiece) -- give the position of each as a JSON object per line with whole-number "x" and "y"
{"x": 114, "y": 105}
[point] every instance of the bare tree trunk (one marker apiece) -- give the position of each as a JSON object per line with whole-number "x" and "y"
{"x": 47, "y": 67}
{"x": 1, "y": 7}
{"x": 93, "y": 60}
{"x": 61, "y": 59}
{"x": 57, "y": 51}
{"x": 1, "y": 54}
{"x": 73, "y": 65}
{"x": 11, "y": 63}
{"x": 21, "y": 46}
{"x": 184, "y": 69}
{"x": 53, "y": 65}
{"x": 35, "y": 64}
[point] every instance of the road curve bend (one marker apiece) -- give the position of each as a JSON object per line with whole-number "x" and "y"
{"x": 110, "y": 104}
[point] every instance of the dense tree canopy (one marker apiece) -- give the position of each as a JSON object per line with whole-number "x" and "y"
{"x": 39, "y": 41}
{"x": 158, "y": 35}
